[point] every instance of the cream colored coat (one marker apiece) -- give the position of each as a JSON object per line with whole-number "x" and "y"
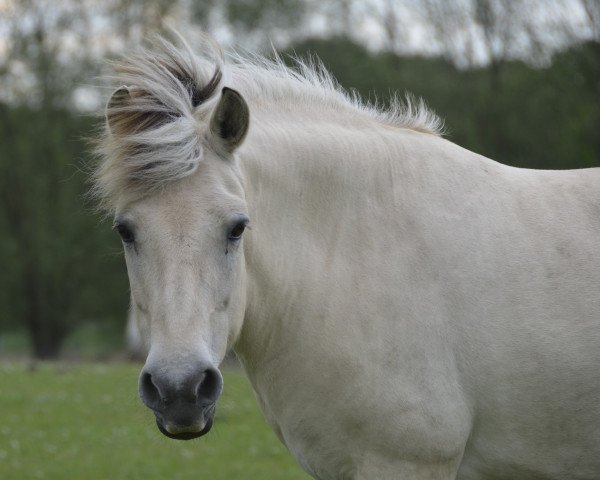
{"x": 404, "y": 308}
{"x": 419, "y": 311}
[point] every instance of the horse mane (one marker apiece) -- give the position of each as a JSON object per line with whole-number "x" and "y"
{"x": 308, "y": 82}
{"x": 153, "y": 134}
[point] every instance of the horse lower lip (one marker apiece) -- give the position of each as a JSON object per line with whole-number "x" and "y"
{"x": 189, "y": 435}
{"x": 176, "y": 430}
{"x": 185, "y": 435}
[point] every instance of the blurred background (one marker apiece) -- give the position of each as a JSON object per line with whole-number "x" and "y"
{"x": 515, "y": 80}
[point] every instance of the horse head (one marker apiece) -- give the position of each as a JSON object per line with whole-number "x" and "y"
{"x": 177, "y": 193}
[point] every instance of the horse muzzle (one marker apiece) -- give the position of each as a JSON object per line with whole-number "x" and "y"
{"x": 186, "y": 409}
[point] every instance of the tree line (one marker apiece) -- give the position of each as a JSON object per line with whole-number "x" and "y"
{"x": 61, "y": 262}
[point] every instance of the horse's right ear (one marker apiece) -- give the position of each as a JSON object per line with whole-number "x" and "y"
{"x": 230, "y": 120}
{"x": 115, "y": 108}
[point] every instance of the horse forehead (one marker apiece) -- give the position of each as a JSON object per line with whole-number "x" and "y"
{"x": 191, "y": 205}
{"x": 184, "y": 216}
{"x": 179, "y": 217}
{"x": 215, "y": 178}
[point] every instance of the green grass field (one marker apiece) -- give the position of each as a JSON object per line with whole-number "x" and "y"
{"x": 85, "y": 421}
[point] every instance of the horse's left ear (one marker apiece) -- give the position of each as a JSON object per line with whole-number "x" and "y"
{"x": 230, "y": 120}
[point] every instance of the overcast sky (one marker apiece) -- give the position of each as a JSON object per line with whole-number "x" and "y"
{"x": 555, "y": 22}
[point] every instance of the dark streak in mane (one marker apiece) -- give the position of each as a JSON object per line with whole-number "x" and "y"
{"x": 200, "y": 96}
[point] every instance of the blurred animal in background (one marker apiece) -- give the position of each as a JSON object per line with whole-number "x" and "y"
{"x": 404, "y": 308}
{"x": 133, "y": 340}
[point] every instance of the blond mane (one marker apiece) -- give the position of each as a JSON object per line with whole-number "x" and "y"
{"x": 154, "y": 131}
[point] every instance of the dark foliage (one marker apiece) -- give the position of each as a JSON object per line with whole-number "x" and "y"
{"x": 61, "y": 265}
{"x": 526, "y": 117}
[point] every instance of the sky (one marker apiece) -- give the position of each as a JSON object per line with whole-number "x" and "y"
{"x": 556, "y": 23}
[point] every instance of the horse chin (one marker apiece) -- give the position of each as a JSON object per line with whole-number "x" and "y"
{"x": 188, "y": 434}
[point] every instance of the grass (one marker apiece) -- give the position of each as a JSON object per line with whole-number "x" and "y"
{"x": 84, "y": 421}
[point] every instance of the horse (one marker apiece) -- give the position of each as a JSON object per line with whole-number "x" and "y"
{"x": 403, "y": 308}
{"x": 134, "y": 345}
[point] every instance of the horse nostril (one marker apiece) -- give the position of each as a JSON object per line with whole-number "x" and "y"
{"x": 201, "y": 388}
{"x": 209, "y": 387}
{"x": 149, "y": 391}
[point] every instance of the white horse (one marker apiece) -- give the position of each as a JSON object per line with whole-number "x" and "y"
{"x": 404, "y": 308}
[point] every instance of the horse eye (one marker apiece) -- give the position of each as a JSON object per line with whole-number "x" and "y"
{"x": 237, "y": 231}
{"x": 125, "y": 233}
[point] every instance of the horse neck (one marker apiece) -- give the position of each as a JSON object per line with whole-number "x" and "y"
{"x": 308, "y": 178}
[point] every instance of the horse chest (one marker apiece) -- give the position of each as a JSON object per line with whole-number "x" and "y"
{"x": 341, "y": 430}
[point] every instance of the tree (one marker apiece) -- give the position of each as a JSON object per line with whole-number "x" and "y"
{"x": 48, "y": 237}
{"x": 256, "y": 23}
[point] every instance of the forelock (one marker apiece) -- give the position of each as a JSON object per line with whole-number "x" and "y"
{"x": 152, "y": 135}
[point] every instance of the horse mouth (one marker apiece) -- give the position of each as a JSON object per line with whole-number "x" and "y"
{"x": 188, "y": 434}
{"x": 187, "y": 429}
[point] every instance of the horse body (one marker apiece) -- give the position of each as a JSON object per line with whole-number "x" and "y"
{"x": 437, "y": 304}
{"x": 404, "y": 308}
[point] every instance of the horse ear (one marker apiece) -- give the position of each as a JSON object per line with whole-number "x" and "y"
{"x": 230, "y": 120}
{"x": 115, "y": 114}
